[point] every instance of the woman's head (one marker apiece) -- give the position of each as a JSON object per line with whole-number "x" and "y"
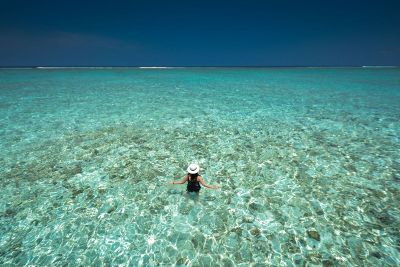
{"x": 193, "y": 168}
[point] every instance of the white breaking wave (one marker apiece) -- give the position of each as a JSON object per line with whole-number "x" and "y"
{"x": 380, "y": 66}
{"x": 156, "y": 67}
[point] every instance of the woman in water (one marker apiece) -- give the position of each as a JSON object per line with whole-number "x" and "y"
{"x": 194, "y": 179}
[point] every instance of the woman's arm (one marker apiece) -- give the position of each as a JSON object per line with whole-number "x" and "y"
{"x": 200, "y": 179}
{"x": 181, "y": 181}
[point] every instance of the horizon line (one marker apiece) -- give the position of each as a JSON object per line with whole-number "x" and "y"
{"x": 199, "y": 66}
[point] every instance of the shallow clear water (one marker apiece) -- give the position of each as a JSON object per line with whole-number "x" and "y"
{"x": 308, "y": 160}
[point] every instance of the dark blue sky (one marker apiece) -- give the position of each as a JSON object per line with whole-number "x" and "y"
{"x": 198, "y": 33}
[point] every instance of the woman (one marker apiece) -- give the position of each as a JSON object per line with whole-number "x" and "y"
{"x": 194, "y": 179}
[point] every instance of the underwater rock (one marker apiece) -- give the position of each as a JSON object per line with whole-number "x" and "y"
{"x": 299, "y": 262}
{"x": 102, "y": 188}
{"x": 376, "y": 254}
{"x": 320, "y": 212}
{"x": 255, "y": 231}
{"x": 327, "y": 263}
{"x": 90, "y": 195}
{"x": 77, "y": 191}
{"x": 383, "y": 216}
{"x": 314, "y": 235}
{"x": 10, "y": 212}
{"x": 256, "y": 206}
{"x": 292, "y": 246}
{"x": 182, "y": 261}
{"x": 350, "y": 167}
{"x": 35, "y": 222}
{"x": 39, "y": 240}
{"x": 117, "y": 176}
{"x": 72, "y": 170}
{"x": 237, "y": 230}
{"x": 198, "y": 240}
{"x": 111, "y": 209}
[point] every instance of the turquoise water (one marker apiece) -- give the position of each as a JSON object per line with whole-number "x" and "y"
{"x": 308, "y": 160}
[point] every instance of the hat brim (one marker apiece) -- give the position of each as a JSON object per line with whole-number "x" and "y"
{"x": 193, "y": 171}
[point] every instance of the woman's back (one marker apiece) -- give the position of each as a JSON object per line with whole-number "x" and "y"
{"x": 193, "y": 183}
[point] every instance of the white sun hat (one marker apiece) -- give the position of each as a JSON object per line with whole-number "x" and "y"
{"x": 193, "y": 168}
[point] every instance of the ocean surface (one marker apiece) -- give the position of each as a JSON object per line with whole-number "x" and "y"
{"x": 308, "y": 160}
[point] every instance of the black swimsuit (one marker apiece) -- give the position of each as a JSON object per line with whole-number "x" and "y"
{"x": 193, "y": 185}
